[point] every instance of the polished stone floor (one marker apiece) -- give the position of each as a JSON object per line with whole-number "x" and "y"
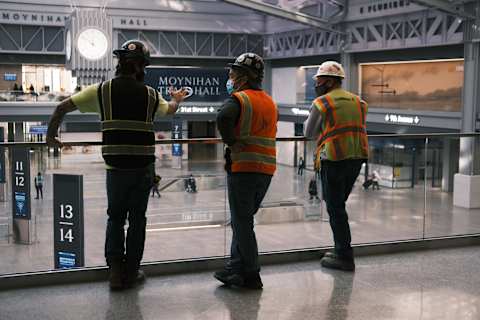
{"x": 185, "y": 225}
{"x": 427, "y": 285}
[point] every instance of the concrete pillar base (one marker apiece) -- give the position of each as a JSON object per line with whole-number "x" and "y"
{"x": 466, "y": 191}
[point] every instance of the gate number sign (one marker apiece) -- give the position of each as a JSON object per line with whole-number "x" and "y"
{"x": 68, "y": 221}
{"x": 21, "y": 183}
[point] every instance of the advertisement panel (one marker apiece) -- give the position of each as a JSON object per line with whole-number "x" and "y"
{"x": 433, "y": 85}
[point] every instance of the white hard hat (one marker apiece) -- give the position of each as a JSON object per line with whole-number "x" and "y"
{"x": 330, "y": 69}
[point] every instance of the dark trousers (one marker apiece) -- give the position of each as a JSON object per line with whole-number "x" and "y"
{"x": 300, "y": 170}
{"x": 245, "y": 194}
{"x": 127, "y": 192}
{"x": 39, "y": 190}
{"x": 155, "y": 190}
{"x": 338, "y": 178}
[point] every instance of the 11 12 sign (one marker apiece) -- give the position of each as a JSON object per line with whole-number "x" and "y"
{"x": 19, "y": 174}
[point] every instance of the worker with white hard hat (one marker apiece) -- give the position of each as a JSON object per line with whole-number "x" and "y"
{"x": 337, "y": 121}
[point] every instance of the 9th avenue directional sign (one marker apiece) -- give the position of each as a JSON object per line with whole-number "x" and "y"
{"x": 396, "y": 118}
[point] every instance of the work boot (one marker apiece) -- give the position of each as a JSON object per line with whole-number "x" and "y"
{"x": 116, "y": 271}
{"x": 229, "y": 277}
{"x": 337, "y": 262}
{"x": 252, "y": 281}
{"x": 329, "y": 254}
{"x": 134, "y": 278}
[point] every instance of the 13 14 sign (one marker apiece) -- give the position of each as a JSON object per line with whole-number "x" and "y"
{"x": 68, "y": 221}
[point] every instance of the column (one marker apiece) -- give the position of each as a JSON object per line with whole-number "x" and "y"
{"x": 19, "y": 133}
{"x": 267, "y": 79}
{"x": 467, "y": 181}
{"x": 10, "y": 132}
{"x": 450, "y": 157}
{"x": 3, "y": 180}
{"x": 350, "y": 83}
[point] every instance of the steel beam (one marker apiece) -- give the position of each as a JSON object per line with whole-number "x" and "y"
{"x": 285, "y": 14}
{"x": 446, "y": 7}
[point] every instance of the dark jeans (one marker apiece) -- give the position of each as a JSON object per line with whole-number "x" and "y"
{"x": 245, "y": 194}
{"x": 127, "y": 192}
{"x": 39, "y": 190}
{"x": 155, "y": 190}
{"x": 338, "y": 178}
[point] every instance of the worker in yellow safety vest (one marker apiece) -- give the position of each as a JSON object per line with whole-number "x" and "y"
{"x": 337, "y": 122}
{"x": 247, "y": 123}
{"x": 127, "y": 108}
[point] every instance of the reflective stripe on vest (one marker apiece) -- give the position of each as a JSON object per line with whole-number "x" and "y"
{"x": 106, "y": 100}
{"x": 258, "y": 153}
{"x": 152, "y": 98}
{"x": 252, "y": 156}
{"x": 128, "y": 150}
{"x": 110, "y": 125}
{"x": 246, "y": 116}
{"x": 341, "y": 138}
{"x": 126, "y": 125}
{"x": 265, "y": 142}
{"x": 339, "y": 131}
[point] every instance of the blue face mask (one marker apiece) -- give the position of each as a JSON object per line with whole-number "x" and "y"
{"x": 230, "y": 87}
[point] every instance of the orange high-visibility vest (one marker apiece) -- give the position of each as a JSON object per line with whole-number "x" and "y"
{"x": 344, "y": 131}
{"x": 256, "y": 130}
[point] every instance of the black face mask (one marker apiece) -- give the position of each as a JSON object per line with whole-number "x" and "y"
{"x": 320, "y": 90}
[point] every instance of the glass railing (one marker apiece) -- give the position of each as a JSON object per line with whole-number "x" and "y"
{"x": 405, "y": 192}
{"x": 42, "y": 96}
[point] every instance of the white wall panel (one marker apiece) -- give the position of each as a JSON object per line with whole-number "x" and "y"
{"x": 284, "y": 85}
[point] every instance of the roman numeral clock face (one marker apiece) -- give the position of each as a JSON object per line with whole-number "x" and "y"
{"x": 92, "y": 44}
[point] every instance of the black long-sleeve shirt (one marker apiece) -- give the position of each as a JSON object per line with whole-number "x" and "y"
{"x": 227, "y": 118}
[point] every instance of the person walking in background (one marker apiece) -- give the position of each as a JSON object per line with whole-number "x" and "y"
{"x": 312, "y": 189}
{"x": 247, "y": 123}
{"x": 127, "y": 109}
{"x": 192, "y": 184}
{"x": 156, "y": 184}
{"x": 38, "y": 182}
{"x": 301, "y": 166}
{"x": 375, "y": 180}
{"x": 337, "y": 121}
{"x": 32, "y": 91}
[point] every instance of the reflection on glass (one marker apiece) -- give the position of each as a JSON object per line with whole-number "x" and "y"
{"x": 444, "y": 216}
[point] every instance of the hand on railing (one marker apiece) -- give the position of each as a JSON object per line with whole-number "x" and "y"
{"x": 53, "y": 142}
